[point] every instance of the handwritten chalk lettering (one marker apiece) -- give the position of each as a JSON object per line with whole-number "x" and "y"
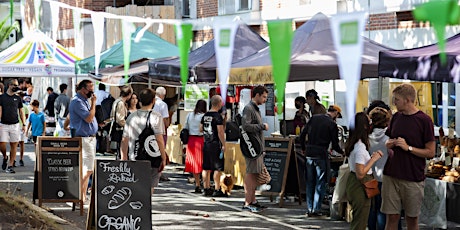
{"x": 59, "y": 161}
{"x": 122, "y": 168}
{"x": 123, "y": 177}
{"x": 126, "y": 223}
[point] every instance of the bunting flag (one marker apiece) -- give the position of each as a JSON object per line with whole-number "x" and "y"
{"x": 440, "y": 14}
{"x": 98, "y": 28}
{"x": 224, "y": 35}
{"x": 76, "y": 28}
{"x": 184, "y": 37}
{"x": 280, "y": 33}
{"x": 346, "y": 34}
{"x": 11, "y": 11}
{"x": 127, "y": 29}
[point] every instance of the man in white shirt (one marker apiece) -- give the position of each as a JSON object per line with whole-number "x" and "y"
{"x": 162, "y": 108}
{"x": 101, "y": 94}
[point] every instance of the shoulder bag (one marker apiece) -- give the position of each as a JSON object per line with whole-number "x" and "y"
{"x": 116, "y": 131}
{"x": 371, "y": 188}
{"x": 184, "y": 133}
{"x": 340, "y": 194}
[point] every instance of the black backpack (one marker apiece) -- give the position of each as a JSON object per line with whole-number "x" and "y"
{"x": 146, "y": 146}
{"x": 106, "y": 107}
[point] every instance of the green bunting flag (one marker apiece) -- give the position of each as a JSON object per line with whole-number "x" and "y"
{"x": 183, "y": 37}
{"x": 439, "y": 13}
{"x": 280, "y": 33}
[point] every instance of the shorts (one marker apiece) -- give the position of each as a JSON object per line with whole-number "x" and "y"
{"x": 34, "y": 139}
{"x": 10, "y": 133}
{"x": 400, "y": 194}
{"x": 254, "y": 165}
{"x": 88, "y": 153}
{"x": 155, "y": 177}
{"x": 211, "y": 152}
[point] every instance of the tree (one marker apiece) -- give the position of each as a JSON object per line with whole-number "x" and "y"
{"x": 5, "y": 30}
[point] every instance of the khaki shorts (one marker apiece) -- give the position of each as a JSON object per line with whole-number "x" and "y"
{"x": 88, "y": 153}
{"x": 254, "y": 165}
{"x": 400, "y": 194}
{"x": 10, "y": 133}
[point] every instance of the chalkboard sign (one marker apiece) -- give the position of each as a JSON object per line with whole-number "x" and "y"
{"x": 281, "y": 164}
{"x": 276, "y": 163}
{"x": 58, "y": 169}
{"x": 270, "y": 103}
{"x": 123, "y": 191}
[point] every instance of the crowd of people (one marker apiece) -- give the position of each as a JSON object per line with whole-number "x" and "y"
{"x": 388, "y": 147}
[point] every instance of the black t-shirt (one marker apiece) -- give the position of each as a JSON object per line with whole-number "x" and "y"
{"x": 10, "y": 106}
{"x": 210, "y": 121}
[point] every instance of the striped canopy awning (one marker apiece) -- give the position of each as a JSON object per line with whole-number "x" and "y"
{"x": 37, "y": 56}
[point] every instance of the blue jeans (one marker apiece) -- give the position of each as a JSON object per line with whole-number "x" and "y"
{"x": 316, "y": 176}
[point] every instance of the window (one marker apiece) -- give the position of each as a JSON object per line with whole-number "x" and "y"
{"x": 186, "y": 8}
{"x": 304, "y": 2}
{"x": 234, "y": 6}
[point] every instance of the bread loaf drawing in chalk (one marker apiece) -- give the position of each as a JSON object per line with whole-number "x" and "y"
{"x": 119, "y": 198}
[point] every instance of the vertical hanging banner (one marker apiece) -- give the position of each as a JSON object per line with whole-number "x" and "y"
{"x": 280, "y": 33}
{"x": 76, "y": 29}
{"x": 98, "y": 28}
{"x": 346, "y": 34}
{"x": 127, "y": 30}
{"x": 54, "y": 22}
{"x": 183, "y": 37}
{"x": 37, "y": 5}
{"x": 224, "y": 35}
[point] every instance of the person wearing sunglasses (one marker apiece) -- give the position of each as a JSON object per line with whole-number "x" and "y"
{"x": 10, "y": 130}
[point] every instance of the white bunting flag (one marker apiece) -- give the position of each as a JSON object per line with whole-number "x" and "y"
{"x": 346, "y": 33}
{"x": 98, "y": 27}
{"x": 224, "y": 36}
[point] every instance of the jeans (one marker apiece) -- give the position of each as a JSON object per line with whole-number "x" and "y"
{"x": 316, "y": 179}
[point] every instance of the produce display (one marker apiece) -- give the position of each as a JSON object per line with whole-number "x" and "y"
{"x": 437, "y": 168}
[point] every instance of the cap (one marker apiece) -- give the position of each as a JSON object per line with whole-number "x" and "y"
{"x": 333, "y": 108}
{"x": 312, "y": 93}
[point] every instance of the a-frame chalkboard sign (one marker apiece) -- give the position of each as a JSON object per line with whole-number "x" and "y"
{"x": 279, "y": 157}
{"x": 58, "y": 171}
{"x": 121, "y": 195}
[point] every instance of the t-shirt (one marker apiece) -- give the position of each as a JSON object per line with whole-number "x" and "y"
{"x": 10, "y": 105}
{"x": 135, "y": 124}
{"x": 79, "y": 110}
{"x": 36, "y": 121}
{"x": 210, "y": 121}
{"x": 417, "y": 129}
{"x": 359, "y": 155}
{"x": 161, "y": 107}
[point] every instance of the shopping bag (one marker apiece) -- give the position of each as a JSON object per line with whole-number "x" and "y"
{"x": 341, "y": 183}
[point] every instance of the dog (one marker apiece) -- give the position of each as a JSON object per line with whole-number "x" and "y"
{"x": 226, "y": 183}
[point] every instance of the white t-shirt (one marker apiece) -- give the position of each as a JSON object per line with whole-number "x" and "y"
{"x": 359, "y": 155}
{"x": 136, "y": 123}
{"x": 161, "y": 107}
{"x": 100, "y": 96}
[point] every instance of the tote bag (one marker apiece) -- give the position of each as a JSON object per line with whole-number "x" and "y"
{"x": 341, "y": 183}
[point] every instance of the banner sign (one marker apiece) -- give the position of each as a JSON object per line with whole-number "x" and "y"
{"x": 193, "y": 93}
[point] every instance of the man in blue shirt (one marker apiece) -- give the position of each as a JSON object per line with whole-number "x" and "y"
{"x": 83, "y": 124}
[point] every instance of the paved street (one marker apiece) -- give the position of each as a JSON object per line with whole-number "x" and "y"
{"x": 176, "y": 207}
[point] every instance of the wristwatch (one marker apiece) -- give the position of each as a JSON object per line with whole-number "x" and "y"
{"x": 410, "y": 148}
